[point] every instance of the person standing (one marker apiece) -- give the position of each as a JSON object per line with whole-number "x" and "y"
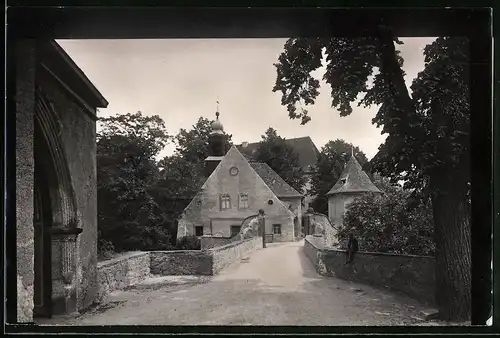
{"x": 352, "y": 248}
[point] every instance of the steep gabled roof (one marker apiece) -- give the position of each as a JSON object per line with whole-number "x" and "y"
{"x": 303, "y": 146}
{"x": 274, "y": 181}
{"x": 353, "y": 179}
{"x": 218, "y": 182}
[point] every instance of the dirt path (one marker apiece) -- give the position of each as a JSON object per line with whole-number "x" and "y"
{"x": 276, "y": 286}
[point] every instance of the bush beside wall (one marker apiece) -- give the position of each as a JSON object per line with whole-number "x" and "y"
{"x": 412, "y": 275}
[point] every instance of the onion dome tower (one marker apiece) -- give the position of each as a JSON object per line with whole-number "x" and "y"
{"x": 216, "y": 145}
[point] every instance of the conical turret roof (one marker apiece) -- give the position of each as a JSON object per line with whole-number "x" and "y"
{"x": 353, "y": 179}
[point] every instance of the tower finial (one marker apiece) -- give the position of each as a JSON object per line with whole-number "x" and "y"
{"x": 217, "y": 112}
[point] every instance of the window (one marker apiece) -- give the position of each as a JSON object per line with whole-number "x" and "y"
{"x": 277, "y": 229}
{"x": 225, "y": 202}
{"x": 198, "y": 230}
{"x": 243, "y": 201}
{"x": 235, "y": 229}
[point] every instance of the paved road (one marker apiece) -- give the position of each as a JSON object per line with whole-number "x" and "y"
{"x": 276, "y": 286}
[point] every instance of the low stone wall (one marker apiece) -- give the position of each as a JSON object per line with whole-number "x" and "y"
{"x": 125, "y": 270}
{"x": 209, "y": 242}
{"x": 201, "y": 262}
{"x": 412, "y": 275}
{"x": 225, "y": 255}
{"x": 134, "y": 267}
{"x": 181, "y": 262}
{"x": 322, "y": 224}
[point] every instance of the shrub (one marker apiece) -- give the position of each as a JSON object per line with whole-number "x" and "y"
{"x": 105, "y": 249}
{"x": 188, "y": 243}
{"x": 392, "y": 222}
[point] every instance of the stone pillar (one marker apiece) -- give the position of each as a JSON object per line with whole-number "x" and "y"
{"x": 24, "y": 54}
{"x": 64, "y": 283}
{"x": 262, "y": 227}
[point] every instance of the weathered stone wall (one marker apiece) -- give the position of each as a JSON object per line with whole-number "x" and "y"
{"x": 25, "y": 100}
{"x": 225, "y": 255}
{"x": 412, "y": 275}
{"x": 134, "y": 267}
{"x": 117, "y": 273}
{"x": 209, "y": 242}
{"x": 322, "y": 226}
{"x": 201, "y": 262}
{"x": 181, "y": 262}
{"x": 78, "y": 135}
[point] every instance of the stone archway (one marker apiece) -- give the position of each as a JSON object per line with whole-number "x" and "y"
{"x": 56, "y": 223}
{"x": 42, "y": 223}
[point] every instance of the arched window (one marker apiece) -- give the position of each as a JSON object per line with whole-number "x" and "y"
{"x": 225, "y": 202}
{"x": 243, "y": 201}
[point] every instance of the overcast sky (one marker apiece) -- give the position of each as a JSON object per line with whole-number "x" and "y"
{"x": 180, "y": 80}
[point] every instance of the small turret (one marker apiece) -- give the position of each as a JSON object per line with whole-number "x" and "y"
{"x": 217, "y": 143}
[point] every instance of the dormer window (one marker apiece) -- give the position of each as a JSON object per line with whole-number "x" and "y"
{"x": 225, "y": 202}
{"x": 344, "y": 179}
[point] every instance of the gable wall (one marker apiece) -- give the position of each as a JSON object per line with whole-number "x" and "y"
{"x": 221, "y": 182}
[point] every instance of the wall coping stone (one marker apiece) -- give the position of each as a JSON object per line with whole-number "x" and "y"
{"x": 227, "y": 246}
{"x": 120, "y": 258}
{"x": 321, "y": 247}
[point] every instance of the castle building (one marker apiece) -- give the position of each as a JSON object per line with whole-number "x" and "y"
{"x": 308, "y": 158}
{"x": 353, "y": 182}
{"x": 236, "y": 189}
{"x": 55, "y": 177}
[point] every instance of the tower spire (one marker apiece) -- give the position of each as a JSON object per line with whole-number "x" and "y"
{"x": 352, "y": 151}
{"x": 217, "y": 111}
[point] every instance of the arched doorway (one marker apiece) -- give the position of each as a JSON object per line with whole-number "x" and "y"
{"x": 42, "y": 220}
{"x": 55, "y": 220}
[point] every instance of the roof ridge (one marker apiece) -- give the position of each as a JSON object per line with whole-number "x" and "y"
{"x": 353, "y": 179}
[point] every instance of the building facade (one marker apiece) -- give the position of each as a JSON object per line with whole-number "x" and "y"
{"x": 233, "y": 192}
{"x": 353, "y": 183}
{"x": 237, "y": 189}
{"x": 308, "y": 157}
{"x": 56, "y": 193}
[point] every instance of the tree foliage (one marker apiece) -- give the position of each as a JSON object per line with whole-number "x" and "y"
{"x": 193, "y": 145}
{"x": 181, "y": 174}
{"x": 282, "y": 158}
{"x": 428, "y": 132}
{"x": 391, "y": 222}
{"x": 331, "y": 162}
{"x": 188, "y": 243}
{"x": 128, "y": 216}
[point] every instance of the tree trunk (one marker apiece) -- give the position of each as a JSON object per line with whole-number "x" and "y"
{"x": 451, "y": 211}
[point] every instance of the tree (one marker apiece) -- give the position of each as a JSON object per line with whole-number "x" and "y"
{"x": 428, "y": 136}
{"x": 391, "y": 222}
{"x": 192, "y": 145}
{"x": 331, "y": 162}
{"x": 282, "y": 158}
{"x": 128, "y": 216}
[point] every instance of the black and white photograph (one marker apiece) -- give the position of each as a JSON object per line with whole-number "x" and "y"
{"x": 243, "y": 181}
